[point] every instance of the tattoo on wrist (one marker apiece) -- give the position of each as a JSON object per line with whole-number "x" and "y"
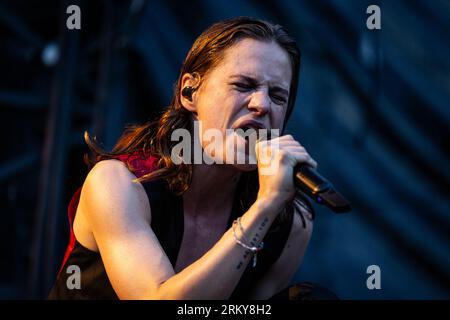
{"x": 255, "y": 239}
{"x": 263, "y": 224}
{"x": 241, "y": 263}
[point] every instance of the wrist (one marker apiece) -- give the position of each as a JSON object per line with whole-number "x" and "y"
{"x": 269, "y": 204}
{"x": 276, "y": 197}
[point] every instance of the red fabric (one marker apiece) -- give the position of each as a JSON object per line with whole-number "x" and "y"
{"x": 71, "y": 213}
{"x": 140, "y": 164}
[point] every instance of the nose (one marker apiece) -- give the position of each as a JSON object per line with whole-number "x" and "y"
{"x": 260, "y": 102}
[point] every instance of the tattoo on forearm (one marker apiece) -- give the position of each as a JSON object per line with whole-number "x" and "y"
{"x": 241, "y": 263}
{"x": 263, "y": 224}
{"x": 255, "y": 239}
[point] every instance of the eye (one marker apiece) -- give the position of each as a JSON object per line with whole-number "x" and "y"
{"x": 242, "y": 86}
{"x": 278, "y": 99}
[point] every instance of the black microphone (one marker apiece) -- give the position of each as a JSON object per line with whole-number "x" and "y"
{"x": 319, "y": 189}
{"x": 315, "y": 186}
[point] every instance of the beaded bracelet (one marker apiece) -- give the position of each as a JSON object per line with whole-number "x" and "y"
{"x": 253, "y": 249}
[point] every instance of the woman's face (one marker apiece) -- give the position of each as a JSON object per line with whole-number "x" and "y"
{"x": 251, "y": 83}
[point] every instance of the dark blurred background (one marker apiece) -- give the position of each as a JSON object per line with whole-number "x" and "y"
{"x": 372, "y": 108}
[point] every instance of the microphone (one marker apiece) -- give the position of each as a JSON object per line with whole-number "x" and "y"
{"x": 319, "y": 189}
{"x": 315, "y": 186}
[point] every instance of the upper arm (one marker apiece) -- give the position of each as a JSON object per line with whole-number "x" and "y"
{"x": 281, "y": 272}
{"x": 118, "y": 212}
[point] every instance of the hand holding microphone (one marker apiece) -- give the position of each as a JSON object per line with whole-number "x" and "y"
{"x": 295, "y": 169}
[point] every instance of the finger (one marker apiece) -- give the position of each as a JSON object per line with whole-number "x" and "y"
{"x": 293, "y": 148}
{"x": 290, "y": 143}
{"x": 302, "y": 157}
{"x": 286, "y": 137}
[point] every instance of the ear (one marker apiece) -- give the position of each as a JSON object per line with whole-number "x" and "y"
{"x": 191, "y": 80}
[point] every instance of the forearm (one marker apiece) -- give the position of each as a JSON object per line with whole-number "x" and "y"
{"x": 216, "y": 273}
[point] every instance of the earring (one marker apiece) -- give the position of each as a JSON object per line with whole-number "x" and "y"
{"x": 187, "y": 92}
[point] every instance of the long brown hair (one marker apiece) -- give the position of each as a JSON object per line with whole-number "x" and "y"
{"x": 155, "y": 137}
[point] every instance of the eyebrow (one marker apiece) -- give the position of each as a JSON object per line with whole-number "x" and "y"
{"x": 253, "y": 81}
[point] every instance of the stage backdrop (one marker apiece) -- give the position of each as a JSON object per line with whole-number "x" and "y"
{"x": 372, "y": 108}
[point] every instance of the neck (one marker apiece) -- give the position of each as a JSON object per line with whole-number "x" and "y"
{"x": 212, "y": 188}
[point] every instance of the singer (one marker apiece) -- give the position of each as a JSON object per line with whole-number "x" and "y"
{"x": 143, "y": 227}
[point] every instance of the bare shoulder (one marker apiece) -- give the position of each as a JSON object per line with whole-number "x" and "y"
{"x": 110, "y": 168}
{"x": 110, "y": 195}
{"x": 118, "y": 216}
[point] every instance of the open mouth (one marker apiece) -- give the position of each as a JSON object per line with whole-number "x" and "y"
{"x": 249, "y": 129}
{"x": 248, "y": 132}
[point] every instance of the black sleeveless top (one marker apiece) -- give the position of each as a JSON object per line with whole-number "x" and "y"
{"x": 168, "y": 225}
